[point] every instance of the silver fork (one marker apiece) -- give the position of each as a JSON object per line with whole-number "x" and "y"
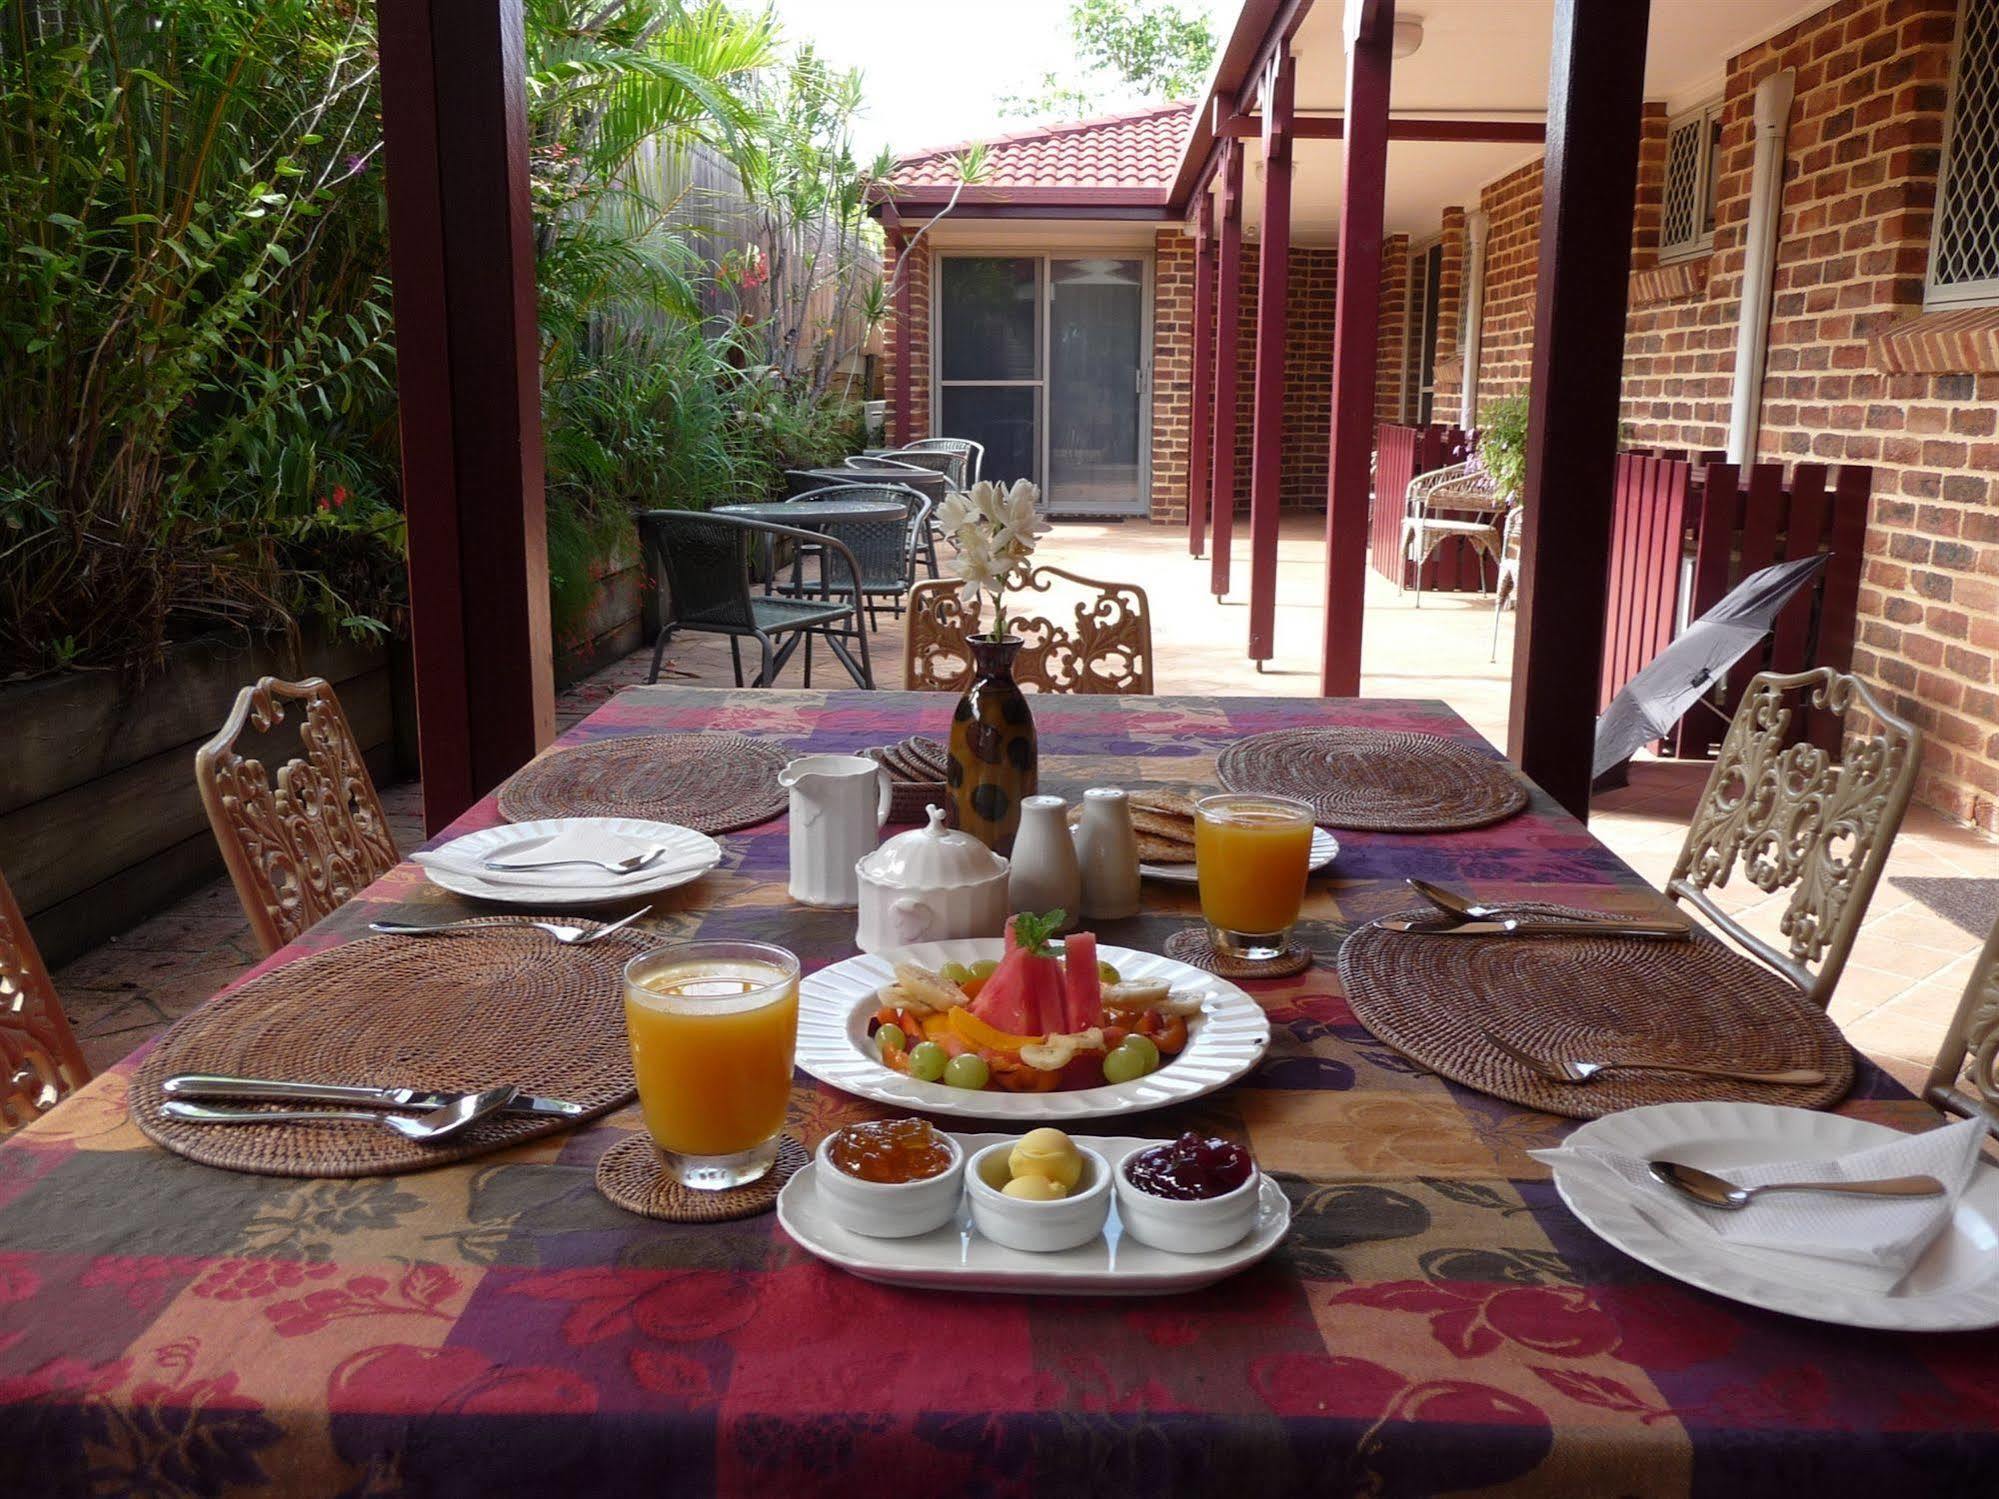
{"x": 630, "y": 864}
{"x": 569, "y": 936}
{"x": 1565, "y": 1070}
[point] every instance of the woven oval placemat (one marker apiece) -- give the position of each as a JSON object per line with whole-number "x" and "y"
{"x": 1194, "y": 945}
{"x": 1590, "y": 999}
{"x": 1374, "y": 780}
{"x": 631, "y": 1176}
{"x": 509, "y": 1005}
{"x": 713, "y": 783}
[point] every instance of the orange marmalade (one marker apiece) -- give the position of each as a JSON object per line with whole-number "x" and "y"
{"x": 890, "y": 1151}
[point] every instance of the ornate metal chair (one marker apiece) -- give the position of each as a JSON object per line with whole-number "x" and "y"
{"x": 1459, "y": 501}
{"x": 1792, "y": 817}
{"x": 1507, "y": 584}
{"x": 1108, "y": 650}
{"x": 1973, "y": 1038}
{"x": 302, "y": 847}
{"x": 40, "y": 1062}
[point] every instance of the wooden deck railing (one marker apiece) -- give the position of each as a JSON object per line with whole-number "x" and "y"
{"x": 1401, "y": 453}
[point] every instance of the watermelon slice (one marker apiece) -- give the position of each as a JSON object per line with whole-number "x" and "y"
{"x": 1083, "y": 991}
{"x": 1024, "y": 995}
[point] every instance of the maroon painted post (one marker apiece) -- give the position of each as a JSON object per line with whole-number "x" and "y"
{"x": 468, "y": 366}
{"x": 1228, "y": 327}
{"x": 1356, "y": 321}
{"x": 1596, "y": 86}
{"x": 1266, "y": 461}
{"x": 1198, "y": 425}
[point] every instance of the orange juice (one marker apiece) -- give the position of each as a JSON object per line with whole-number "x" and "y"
{"x": 713, "y": 1026}
{"x": 1252, "y": 854}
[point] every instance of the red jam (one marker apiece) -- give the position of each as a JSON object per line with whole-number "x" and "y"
{"x": 891, "y": 1151}
{"x": 1190, "y": 1169}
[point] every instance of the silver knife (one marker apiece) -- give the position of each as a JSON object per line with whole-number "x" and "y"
{"x": 204, "y": 1085}
{"x": 1671, "y": 931}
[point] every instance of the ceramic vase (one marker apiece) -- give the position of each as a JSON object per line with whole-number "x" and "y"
{"x": 993, "y": 749}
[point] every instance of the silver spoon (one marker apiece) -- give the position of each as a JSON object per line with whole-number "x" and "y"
{"x": 439, "y": 1124}
{"x": 1713, "y": 1191}
{"x": 570, "y": 936}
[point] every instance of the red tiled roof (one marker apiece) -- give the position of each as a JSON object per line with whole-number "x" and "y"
{"x": 1121, "y": 158}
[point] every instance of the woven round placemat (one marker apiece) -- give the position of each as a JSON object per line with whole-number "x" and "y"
{"x": 1375, "y": 781}
{"x": 631, "y": 1176}
{"x": 1590, "y": 999}
{"x": 713, "y": 783}
{"x": 1194, "y": 945}
{"x": 509, "y": 1005}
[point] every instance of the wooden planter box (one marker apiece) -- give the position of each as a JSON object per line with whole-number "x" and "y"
{"x": 614, "y": 627}
{"x": 100, "y": 822}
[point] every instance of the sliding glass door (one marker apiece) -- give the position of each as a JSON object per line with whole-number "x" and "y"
{"x": 989, "y": 381}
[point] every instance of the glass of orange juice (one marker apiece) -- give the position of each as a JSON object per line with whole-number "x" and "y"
{"x": 713, "y": 1026}
{"x": 1251, "y": 854}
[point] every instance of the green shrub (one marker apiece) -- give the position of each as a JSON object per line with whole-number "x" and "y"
{"x": 1502, "y": 444}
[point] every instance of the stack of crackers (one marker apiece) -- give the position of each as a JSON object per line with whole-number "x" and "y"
{"x": 916, "y": 766}
{"x": 1164, "y": 821}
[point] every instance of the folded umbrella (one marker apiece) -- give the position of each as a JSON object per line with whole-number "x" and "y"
{"x": 1677, "y": 678}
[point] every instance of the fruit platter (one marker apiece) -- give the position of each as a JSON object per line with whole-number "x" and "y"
{"x": 1026, "y": 1026}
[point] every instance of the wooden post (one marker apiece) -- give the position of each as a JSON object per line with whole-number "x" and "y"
{"x": 1356, "y": 323}
{"x": 1228, "y": 326}
{"x": 1199, "y": 423}
{"x": 1266, "y": 465}
{"x": 1596, "y": 81}
{"x": 468, "y": 365}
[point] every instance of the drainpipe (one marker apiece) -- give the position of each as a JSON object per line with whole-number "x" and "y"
{"x": 1766, "y": 191}
{"x": 1477, "y": 222}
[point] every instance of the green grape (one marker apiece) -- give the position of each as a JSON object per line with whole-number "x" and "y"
{"x": 968, "y": 1071}
{"x": 985, "y": 968}
{"x": 891, "y": 1038}
{"x": 954, "y": 973}
{"x": 1147, "y": 1052}
{"x": 1123, "y": 1065}
{"x": 927, "y": 1061}
{"x": 1108, "y": 975}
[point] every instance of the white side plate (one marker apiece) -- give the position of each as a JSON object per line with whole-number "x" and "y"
{"x": 959, "y": 1258}
{"x": 1325, "y": 849}
{"x": 684, "y": 847}
{"x": 1954, "y": 1286}
{"x": 1224, "y": 1041}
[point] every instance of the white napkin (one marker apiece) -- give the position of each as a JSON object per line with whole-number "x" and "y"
{"x": 1875, "y": 1240}
{"x": 578, "y": 840}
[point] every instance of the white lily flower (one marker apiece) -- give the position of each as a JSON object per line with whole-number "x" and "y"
{"x": 980, "y": 568}
{"x": 957, "y": 512}
{"x": 989, "y": 497}
{"x": 1019, "y": 519}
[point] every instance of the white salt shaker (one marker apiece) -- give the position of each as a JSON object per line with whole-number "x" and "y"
{"x": 1107, "y": 849}
{"x": 1045, "y": 875}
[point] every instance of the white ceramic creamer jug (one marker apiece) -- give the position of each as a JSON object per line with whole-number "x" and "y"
{"x": 838, "y": 806}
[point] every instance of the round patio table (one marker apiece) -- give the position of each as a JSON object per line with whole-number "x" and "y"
{"x": 812, "y": 514}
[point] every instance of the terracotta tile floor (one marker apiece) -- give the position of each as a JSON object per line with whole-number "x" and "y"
{"x": 1908, "y": 967}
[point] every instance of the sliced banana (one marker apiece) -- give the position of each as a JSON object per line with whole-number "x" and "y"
{"x": 1058, "y": 1051}
{"x": 1150, "y": 994}
{"x": 925, "y": 991}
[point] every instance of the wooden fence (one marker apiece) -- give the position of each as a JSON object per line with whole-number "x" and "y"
{"x": 1684, "y": 534}
{"x": 1401, "y": 453}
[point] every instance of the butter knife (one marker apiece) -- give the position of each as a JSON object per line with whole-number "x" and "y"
{"x": 1671, "y": 931}
{"x": 204, "y": 1085}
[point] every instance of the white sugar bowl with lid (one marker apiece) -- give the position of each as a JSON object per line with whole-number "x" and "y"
{"x": 935, "y": 884}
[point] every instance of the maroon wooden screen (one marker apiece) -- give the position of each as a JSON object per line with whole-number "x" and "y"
{"x": 1401, "y": 453}
{"x": 1647, "y": 542}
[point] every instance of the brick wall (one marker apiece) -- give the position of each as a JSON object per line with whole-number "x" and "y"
{"x": 1308, "y": 376}
{"x": 1388, "y": 348}
{"x": 1172, "y": 371}
{"x": 917, "y": 267}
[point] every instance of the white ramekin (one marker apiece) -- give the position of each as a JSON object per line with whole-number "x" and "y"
{"x": 1191, "y": 1226}
{"x": 1038, "y": 1227}
{"x": 890, "y": 1210}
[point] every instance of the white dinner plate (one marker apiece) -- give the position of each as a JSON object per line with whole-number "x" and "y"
{"x": 1955, "y": 1286}
{"x": 958, "y": 1257}
{"x": 684, "y": 847}
{"x": 1325, "y": 849}
{"x": 1224, "y": 1041}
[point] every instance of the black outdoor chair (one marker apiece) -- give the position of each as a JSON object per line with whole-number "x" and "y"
{"x": 885, "y": 550}
{"x": 971, "y": 456}
{"x": 703, "y": 565}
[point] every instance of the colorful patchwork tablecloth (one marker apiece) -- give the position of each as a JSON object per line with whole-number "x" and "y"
{"x": 1436, "y": 1323}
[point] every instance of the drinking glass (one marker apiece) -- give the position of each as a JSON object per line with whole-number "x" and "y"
{"x": 713, "y": 1026}
{"x": 1251, "y": 854}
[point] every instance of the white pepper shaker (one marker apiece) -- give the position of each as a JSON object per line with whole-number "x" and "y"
{"x": 1045, "y": 875}
{"x": 1107, "y": 849}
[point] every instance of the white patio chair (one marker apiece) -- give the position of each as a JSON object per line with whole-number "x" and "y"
{"x": 1969, "y": 1056}
{"x": 1508, "y": 582}
{"x": 1458, "y": 501}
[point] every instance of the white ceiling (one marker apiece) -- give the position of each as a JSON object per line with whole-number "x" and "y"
{"x": 1486, "y": 59}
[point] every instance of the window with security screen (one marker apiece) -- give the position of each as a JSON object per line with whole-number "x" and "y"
{"x": 1687, "y": 210}
{"x": 1964, "y": 245}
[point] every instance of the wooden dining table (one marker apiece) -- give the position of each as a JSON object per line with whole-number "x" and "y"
{"x": 1435, "y": 1322}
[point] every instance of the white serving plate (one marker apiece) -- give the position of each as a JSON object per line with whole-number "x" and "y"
{"x": 958, "y": 1257}
{"x": 1954, "y": 1287}
{"x": 1224, "y": 1041}
{"x": 1325, "y": 849}
{"x": 683, "y": 845}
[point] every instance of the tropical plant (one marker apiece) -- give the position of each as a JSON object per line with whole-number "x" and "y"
{"x": 1502, "y": 444}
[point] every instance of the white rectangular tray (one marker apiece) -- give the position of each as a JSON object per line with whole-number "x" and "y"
{"x": 957, "y": 1256}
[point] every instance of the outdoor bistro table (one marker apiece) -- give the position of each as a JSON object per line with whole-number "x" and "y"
{"x": 1436, "y": 1321}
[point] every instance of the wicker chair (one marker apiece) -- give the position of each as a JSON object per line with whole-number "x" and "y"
{"x": 887, "y": 551}
{"x": 1108, "y": 650}
{"x": 40, "y": 1062}
{"x": 1793, "y": 818}
{"x": 1459, "y": 501}
{"x": 971, "y": 456}
{"x": 1507, "y": 584}
{"x": 1973, "y": 1038}
{"x": 703, "y": 565}
{"x": 301, "y": 848}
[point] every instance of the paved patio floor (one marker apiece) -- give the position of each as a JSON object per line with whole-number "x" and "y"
{"x": 1908, "y": 968}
